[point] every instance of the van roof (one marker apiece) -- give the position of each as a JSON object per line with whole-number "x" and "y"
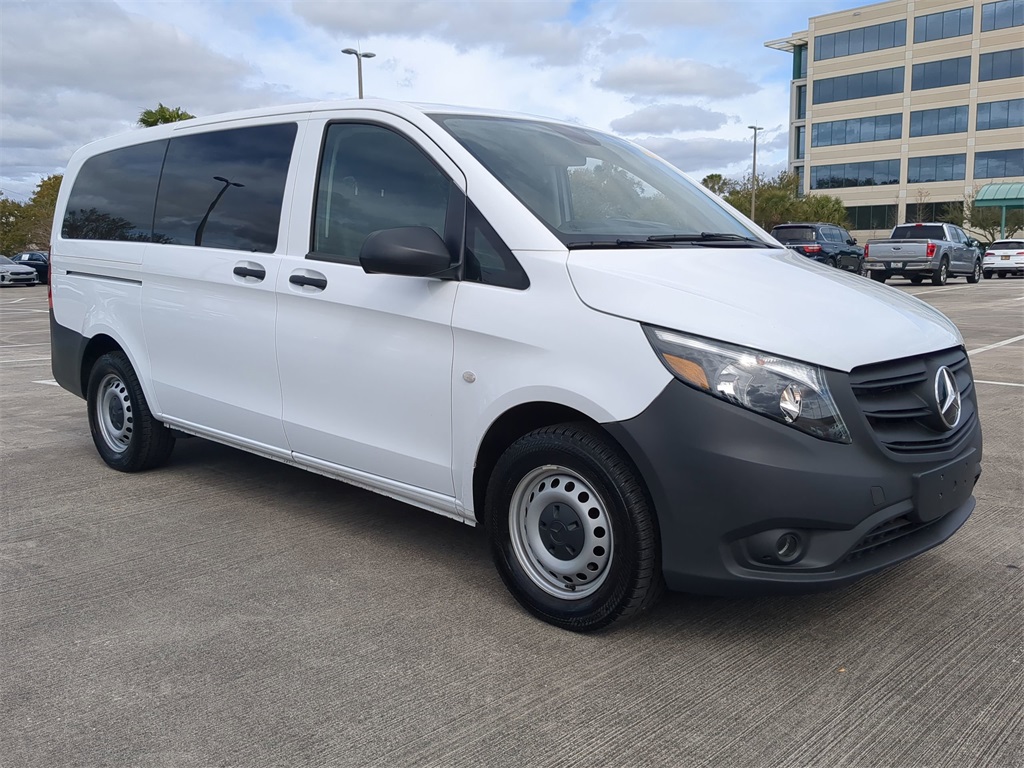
{"x": 399, "y": 108}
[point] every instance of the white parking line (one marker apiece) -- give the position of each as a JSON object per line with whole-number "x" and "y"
{"x": 940, "y": 290}
{"x": 993, "y": 346}
{"x": 10, "y": 346}
{"x": 26, "y": 360}
{"x": 53, "y": 382}
{"x": 999, "y": 383}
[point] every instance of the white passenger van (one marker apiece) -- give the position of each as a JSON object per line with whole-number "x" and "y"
{"x": 519, "y": 323}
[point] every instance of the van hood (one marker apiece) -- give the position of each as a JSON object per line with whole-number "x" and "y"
{"x": 774, "y": 301}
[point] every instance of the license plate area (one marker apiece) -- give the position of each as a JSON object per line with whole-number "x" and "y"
{"x": 895, "y": 265}
{"x": 1005, "y": 258}
{"x": 942, "y": 490}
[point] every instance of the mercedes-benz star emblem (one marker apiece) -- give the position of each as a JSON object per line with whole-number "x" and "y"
{"x": 947, "y": 397}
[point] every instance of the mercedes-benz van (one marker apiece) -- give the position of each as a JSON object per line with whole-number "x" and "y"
{"x": 519, "y": 323}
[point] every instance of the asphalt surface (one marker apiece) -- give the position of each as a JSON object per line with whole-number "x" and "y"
{"x": 227, "y": 610}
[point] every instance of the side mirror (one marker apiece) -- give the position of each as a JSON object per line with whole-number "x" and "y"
{"x": 852, "y": 241}
{"x": 412, "y": 251}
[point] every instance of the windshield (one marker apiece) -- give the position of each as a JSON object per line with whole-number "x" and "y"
{"x": 5, "y": 260}
{"x": 794, "y": 234}
{"x": 591, "y": 188}
{"x": 1007, "y": 245}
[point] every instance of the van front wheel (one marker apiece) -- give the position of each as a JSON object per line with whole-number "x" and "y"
{"x": 126, "y": 435}
{"x": 572, "y": 533}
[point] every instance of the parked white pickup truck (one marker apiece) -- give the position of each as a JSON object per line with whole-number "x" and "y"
{"x": 917, "y": 251}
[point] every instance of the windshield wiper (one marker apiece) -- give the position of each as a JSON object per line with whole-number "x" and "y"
{"x": 708, "y": 237}
{"x": 618, "y": 243}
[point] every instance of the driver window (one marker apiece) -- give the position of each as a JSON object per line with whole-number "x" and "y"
{"x": 373, "y": 178}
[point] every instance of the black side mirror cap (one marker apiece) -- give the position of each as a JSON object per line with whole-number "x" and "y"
{"x": 411, "y": 251}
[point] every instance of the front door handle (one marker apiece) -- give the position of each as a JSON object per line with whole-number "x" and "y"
{"x": 312, "y": 282}
{"x": 259, "y": 273}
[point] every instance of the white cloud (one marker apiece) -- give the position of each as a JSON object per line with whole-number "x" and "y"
{"x": 669, "y": 118}
{"x": 653, "y": 76}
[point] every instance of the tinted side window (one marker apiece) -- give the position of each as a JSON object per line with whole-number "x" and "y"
{"x": 114, "y": 195}
{"x": 224, "y": 189}
{"x": 373, "y": 178}
{"x": 488, "y": 259}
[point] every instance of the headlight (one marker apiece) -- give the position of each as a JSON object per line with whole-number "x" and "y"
{"x": 784, "y": 390}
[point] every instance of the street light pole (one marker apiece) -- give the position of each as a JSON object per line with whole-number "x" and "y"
{"x": 753, "y": 174}
{"x": 360, "y": 55}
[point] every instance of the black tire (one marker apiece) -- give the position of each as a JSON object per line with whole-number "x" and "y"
{"x": 879, "y": 277}
{"x": 831, "y": 263}
{"x": 941, "y": 275}
{"x": 917, "y": 279}
{"x": 975, "y": 275}
{"x": 572, "y": 533}
{"x": 1001, "y": 274}
{"x": 126, "y": 435}
{"x": 987, "y": 274}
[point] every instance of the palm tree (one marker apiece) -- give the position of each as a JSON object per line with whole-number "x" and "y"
{"x": 150, "y": 117}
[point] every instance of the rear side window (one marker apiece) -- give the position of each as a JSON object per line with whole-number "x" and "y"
{"x": 794, "y": 235}
{"x": 114, "y": 195}
{"x": 225, "y": 189}
{"x": 914, "y": 232}
{"x": 373, "y": 178}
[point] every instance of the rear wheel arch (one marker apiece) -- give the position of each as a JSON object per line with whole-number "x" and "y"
{"x": 98, "y": 346}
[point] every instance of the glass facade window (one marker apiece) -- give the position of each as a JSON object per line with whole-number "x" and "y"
{"x": 857, "y": 130}
{"x": 938, "y": 26}
{"x": 1000, "y": 114}
{"x": 951, "y": 211}
{"x": 801, "y": 102}
{"x": 872, "y": 216}
{"x": 1002, "y": 15}
{"x": 936, "y": 168}
{"x": 880, "y": 82}
{"x": 855, "y": 174}
{"x": 799, "y": 181}
{"x": 999, "y": 164}
{"x": 877, "y": 37}
{"x": 939, "y": 74}
{"x": 935, "y": 122}
{"x": 799, "y": 62}
{"x": 801, "y": 138}
{"x": 1001, "y": 64}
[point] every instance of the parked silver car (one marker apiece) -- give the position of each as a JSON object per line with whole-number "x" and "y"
{"x": 15, "y": 274}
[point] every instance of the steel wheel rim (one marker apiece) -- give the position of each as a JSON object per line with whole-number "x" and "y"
{"x": 553, "y": 513}
{"x": 114, "y": 413}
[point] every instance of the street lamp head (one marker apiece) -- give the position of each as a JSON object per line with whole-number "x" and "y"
{"x": 755, "y": 127}
{"x": 353, "y": 51}
{"x": 367, "y": 55}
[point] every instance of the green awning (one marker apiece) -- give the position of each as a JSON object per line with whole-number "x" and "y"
{"x": 1001, "y": 195}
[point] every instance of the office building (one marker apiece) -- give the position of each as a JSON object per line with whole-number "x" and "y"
{"x": 903, "y": 108}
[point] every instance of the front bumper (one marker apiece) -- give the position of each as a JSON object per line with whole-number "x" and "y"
{"x": 728, "y": 484}
{"x": 18, "y": 279}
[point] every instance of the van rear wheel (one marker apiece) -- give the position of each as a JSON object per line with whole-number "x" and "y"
{"x": 572, "y": 532}
{"x": 126, "y": 435}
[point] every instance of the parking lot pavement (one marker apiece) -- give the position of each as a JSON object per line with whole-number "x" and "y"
{"x": 228, "y": 610}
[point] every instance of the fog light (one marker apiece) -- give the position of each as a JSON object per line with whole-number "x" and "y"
{"x": 788, "y": 547}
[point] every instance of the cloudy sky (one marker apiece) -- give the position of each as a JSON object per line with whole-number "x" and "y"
{"x": 682, "y": 77}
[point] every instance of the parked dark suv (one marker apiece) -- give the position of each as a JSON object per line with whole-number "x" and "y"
{"x": 826, "y": 243}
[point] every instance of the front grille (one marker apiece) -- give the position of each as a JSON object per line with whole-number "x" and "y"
{"x": 898, "y": 401}
{"x": 884, "y": 535}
